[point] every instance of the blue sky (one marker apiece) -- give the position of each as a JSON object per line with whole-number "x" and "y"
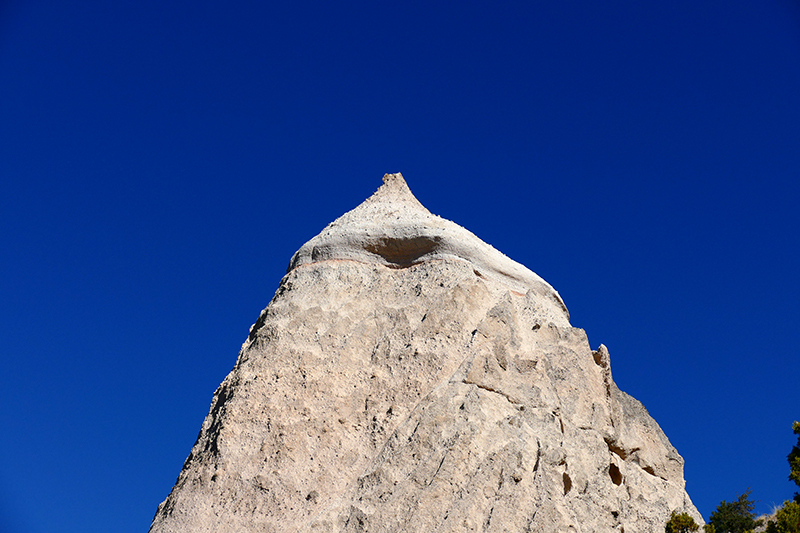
{"x": 161, "y": 161}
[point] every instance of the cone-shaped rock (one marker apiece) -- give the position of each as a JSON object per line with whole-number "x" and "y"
{"x": 409, "y": 377}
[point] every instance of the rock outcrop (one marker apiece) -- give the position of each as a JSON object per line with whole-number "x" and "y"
{"x": 408, "y": 377}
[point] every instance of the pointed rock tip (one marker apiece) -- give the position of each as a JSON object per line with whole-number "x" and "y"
{"x": 395, "y": 180}
{"x": 395, "y": 189}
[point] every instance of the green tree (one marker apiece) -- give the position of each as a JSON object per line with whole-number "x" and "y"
{"x": 681, "y": 523}
{"x": 794, "y": 460}
{"x": 736, "y": 516}
{"x": 787, "y": 519}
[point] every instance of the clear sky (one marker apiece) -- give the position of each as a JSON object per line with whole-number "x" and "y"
{"x": 160, "y": 161}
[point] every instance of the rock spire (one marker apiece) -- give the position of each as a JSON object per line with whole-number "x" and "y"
{"x": 406, "y": 377}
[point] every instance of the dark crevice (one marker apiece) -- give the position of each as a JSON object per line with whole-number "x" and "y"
{"x": 484, "y": 387}
{"x": 402, "y": 253}
{"x": 414, "y": 432}
{"x": 615, "y": 448}
{"x": 530, "y": 522}
{"x": 438, "y": 468}
{"x": 567, "y": 483}
{"x": 488, "y": 519}
{"x": 652, "y": 472}
{"x": 538, "y": 455}
{"x": 616, "y": 475}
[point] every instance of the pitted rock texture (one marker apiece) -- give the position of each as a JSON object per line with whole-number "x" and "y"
{"x": 408, "y": 377}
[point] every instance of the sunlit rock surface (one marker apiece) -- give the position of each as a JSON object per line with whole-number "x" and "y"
{"x": 409, "y": 377}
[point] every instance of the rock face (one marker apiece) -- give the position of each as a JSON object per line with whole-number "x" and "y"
{"x": 408, "y": 377}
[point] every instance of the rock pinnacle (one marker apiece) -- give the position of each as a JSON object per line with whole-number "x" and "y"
{"x": 408, "y": 377}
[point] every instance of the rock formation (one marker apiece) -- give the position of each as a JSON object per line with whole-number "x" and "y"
{"x": 408, "y": 377}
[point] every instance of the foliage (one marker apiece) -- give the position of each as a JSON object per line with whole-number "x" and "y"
{"x": 794, "y": 459}
{"x": 681, "y": 523}
{"x": 787, "y": 519}
{"x": 736, "y": 516}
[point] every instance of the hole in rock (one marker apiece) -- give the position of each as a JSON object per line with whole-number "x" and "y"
{"x": 616, "y": 475}
{"x": 402, "y": 253}
{"x": 567, "y": 483}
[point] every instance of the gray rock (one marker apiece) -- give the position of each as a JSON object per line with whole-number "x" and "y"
{"x": 407, "y": 376}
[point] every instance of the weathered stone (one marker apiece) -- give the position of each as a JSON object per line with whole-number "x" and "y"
{"x": 409, "y": 377}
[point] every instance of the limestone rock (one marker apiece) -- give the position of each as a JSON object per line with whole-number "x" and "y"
{"x": 409, "y": 377}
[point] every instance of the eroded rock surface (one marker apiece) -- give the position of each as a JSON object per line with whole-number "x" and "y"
{"x": 409, "y": 377}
